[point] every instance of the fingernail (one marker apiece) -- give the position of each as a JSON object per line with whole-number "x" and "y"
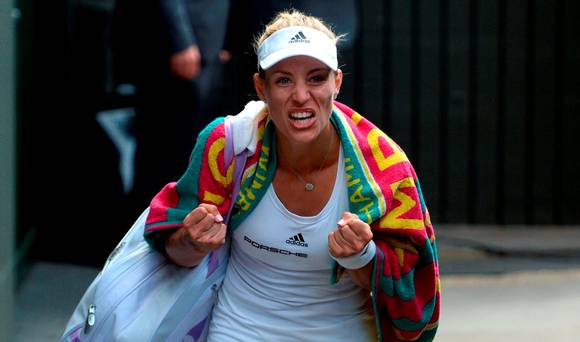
{"x": 219, "y": 218}
{"x": 341, "y": 222}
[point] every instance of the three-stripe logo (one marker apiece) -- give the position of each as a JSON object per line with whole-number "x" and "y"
{"x": 297, "y": 240}
{"x": 299, "y": 38}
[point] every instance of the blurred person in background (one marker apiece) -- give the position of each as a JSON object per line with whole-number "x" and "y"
{"x": 170, "y": 51}
{"x": 195, "y": 31}
{"x": 330, "y": 236}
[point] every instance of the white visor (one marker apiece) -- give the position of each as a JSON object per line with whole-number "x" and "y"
{"x": 297, "y": 41}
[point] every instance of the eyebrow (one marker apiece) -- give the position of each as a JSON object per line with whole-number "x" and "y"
{"x": 319, "y": 69}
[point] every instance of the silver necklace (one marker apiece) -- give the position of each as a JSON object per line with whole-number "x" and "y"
{"x": 309, "y": 186}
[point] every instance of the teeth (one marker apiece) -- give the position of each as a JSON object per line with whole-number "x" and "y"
{"x": 301, "y": 115}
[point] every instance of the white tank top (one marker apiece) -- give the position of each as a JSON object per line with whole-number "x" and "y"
{"x": 277, "y": 285}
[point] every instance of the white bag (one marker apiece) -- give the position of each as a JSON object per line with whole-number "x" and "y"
{"x": 141, "y": 296}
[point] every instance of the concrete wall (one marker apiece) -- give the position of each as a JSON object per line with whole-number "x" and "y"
{"x": 7, "y": 169}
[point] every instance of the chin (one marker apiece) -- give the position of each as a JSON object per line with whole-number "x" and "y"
{"x": 306, "y": 137}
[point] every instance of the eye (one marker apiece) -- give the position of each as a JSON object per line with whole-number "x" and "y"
{"x": 318, "y": 78}
{"x": 282, "y": 80}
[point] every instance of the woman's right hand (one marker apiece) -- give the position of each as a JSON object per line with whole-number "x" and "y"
{"x": 203, "y": 231}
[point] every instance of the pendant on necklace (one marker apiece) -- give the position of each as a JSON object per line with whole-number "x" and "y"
{"x": 308, "y": 186}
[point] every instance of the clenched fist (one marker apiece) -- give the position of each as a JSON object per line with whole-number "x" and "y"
{"x": 203, "y": 231}
{"x": 350, "y": 237}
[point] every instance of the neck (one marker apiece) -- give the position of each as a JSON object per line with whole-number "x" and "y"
{"x": 308, "y": 158}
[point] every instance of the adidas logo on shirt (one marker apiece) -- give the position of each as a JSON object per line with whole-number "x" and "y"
{"x": 297, "y": 240}
{"x": 299, "y": 38}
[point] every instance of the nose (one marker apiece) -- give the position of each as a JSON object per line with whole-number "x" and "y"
{"x": 301, "y": 93}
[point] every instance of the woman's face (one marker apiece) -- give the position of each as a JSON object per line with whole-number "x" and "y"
{"x": 299, "y": 92}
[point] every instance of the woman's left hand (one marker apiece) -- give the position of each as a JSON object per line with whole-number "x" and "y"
{"x": 351, "y": 236}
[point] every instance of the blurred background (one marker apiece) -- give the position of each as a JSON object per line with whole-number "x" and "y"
{"x": 100, "y": 101}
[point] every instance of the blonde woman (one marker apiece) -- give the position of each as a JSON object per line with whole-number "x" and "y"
{"x": 330, "y": 237}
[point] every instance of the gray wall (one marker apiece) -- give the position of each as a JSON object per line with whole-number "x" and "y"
{"x": 7, "y": 168}
{"x": 484, "y": 97}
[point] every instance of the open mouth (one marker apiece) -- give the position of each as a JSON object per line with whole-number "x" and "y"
{"x": 301, "y": 116}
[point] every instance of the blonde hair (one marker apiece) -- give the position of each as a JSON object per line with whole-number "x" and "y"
{"x": 294, "y": 18}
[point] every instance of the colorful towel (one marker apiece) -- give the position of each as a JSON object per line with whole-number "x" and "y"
{"x": 383, "y": 191}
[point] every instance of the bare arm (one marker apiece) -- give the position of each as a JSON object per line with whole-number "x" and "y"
{"x": 362, "y": 276}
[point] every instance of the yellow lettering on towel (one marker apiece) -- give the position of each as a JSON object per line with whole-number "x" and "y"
{"x": 393, "y": 218}
{"x": 214, "y": 151}
{"x": 357, "y": 196}
{"x": 213, "y": 198}
{"x": 384, "y": 162}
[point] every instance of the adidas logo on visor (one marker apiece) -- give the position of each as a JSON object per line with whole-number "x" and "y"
{"x": 299, "y": 38}
{"x": 297, "y": 240}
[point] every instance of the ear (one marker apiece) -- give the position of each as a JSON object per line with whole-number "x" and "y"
{"x": 337, "y": 82}
{"x": 259, "y": 85}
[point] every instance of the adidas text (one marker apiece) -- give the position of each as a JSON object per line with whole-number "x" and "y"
{"x": 297, "y": 240}
{"x": 297, "y": 243}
